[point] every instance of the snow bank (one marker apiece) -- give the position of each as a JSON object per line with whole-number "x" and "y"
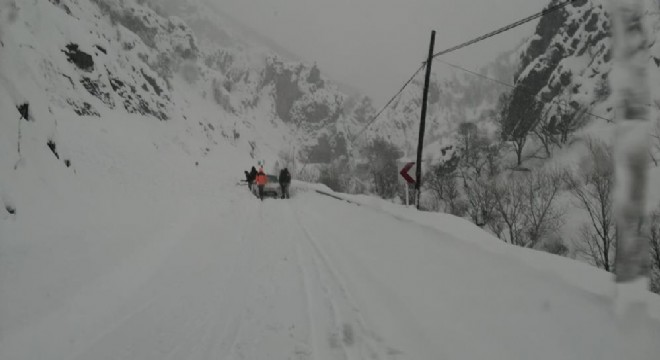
{"x": 575, "y": 273}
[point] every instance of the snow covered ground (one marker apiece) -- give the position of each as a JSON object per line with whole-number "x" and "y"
{"x": 144, "y": 247}
{"x": 211, "y": 272}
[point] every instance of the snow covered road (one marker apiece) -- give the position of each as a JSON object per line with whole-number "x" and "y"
{"x": 316, "y": 278}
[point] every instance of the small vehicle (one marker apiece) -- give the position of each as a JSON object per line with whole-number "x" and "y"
{"x": 272, "y": 188}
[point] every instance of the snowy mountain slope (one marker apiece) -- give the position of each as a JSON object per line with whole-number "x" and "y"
{"x": 264, "y": 86}
{"x": 567, "y": 62}
{"x": 318, "y": 109}
{"x": 125, "y": 56}
{"x": 454, "y": 97}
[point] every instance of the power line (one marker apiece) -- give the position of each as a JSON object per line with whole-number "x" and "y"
{"x": 373, "y": 119}
{"x": 505, "y": 28}
{"x": 457, "y": 47}
{"x": 475, "y": 73}
{"x": 460, "y": 46}
{"x": 558, "y": 101}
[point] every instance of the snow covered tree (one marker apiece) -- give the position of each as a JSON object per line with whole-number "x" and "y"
{"x": 468, "y": 134}
{"x": 331, "y": 177}
{"x": 382, "y": 159}
{"x": 286, "y": 158}
{"x": 364, "y": 110}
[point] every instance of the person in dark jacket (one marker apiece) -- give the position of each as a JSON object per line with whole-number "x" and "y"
{"x": 253, "y": 176}
{"x": 285, "y": 181}
{"x": 249, "y": 180}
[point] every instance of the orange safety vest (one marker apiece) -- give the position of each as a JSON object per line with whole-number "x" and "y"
{"x": 262, "y": 179}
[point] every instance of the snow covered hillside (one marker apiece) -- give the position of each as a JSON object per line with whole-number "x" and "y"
{"x": 124, "y": 56}
{"x": 268, "y": 86}
{"x": 566, "y": 64}
{"x": 455, "y": 97}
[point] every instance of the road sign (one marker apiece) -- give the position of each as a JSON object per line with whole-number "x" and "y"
{"x": 405, "y": 175}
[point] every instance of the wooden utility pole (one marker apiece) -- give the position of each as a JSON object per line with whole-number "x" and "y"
{"x": 422, "y": 124}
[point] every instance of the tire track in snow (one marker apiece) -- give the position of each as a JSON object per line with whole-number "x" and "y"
{"x": 351, "y": 331}
{"x": 275, "y": 311}
{"x": 305, "y": 281}
{"x": 236, "y": 326}
{"x": 224, "y": 341}
{"x": 324, "y": 339}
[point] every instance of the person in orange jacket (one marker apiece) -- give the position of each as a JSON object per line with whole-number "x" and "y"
{"x": 261, "y": 181}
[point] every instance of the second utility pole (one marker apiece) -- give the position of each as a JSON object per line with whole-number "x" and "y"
{"x": 422, "y": 124}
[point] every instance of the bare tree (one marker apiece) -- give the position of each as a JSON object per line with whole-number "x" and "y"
{"x": 546, "y": 131}
{"x": 477, "y": 166}
{"x": 654, "y": 241}
{"x": 592, "y": 186}
{"x": 446, "y": 190}
{"x": 655, "y": 141}
{"x": 442, "y": 180}
{"x": 570, "y": 118}
{"x": 543, "y": 217}
{"x": 479, "y": 155}
{"x": 479, "y": 193}
{"x": 510, "y": 204}
{"x": 454, "y": 205}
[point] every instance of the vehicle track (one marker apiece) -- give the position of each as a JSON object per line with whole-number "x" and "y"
{"x": 350, "y": 331}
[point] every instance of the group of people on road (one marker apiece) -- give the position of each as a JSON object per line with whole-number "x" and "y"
{"x": 261, "y": 179}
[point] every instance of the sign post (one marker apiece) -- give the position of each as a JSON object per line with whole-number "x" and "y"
{"x": 405, "y": 175}
{"x": 406, "y": 190}
{"x": 409, "y": 180}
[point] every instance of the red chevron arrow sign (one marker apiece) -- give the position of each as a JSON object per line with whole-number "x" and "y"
{"x": 405, "y": 175}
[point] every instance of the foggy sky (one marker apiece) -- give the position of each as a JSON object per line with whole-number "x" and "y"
{"x": 375, "y": 45}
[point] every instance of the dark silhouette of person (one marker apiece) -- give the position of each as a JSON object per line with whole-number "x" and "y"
{"x": 285, "y": 182}
{"x": 249, "y": 180}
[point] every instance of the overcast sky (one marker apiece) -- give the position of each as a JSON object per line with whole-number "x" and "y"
{"x": 375, "y": 45}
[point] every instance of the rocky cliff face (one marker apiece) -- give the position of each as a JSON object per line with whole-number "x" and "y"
{"x": 567, "y": 62}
